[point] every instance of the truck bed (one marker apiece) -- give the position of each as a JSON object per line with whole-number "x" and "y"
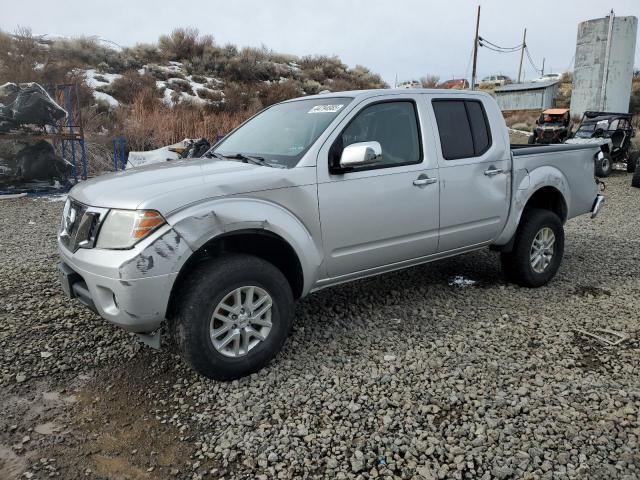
{"x": 541, "y": 163}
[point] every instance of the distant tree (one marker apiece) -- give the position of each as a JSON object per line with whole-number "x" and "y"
{"x": 430, "y": 81}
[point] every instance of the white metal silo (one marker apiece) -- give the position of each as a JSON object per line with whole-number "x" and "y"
{"x": 603, "y": 70}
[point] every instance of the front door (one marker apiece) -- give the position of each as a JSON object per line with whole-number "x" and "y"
{"x": 386, "y": 212}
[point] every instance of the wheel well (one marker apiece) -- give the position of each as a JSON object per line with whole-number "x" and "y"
{"x": 549, "y": 198}
{"x": 263, "y": 244}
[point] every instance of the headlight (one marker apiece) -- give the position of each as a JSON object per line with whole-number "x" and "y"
{"x": 124, "y": 228}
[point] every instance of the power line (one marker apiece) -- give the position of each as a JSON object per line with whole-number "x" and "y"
{"x": 498, "y": 47}
{"x": 529, "y": 57}
{"x": 495, "y": 49}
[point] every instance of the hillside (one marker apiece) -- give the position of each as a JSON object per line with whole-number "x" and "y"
{"x": 184, "y": 85}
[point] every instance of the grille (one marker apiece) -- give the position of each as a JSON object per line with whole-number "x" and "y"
{"x": 80, "y": 225}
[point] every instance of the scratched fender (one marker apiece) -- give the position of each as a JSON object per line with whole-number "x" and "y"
{"x": 158, "y": 258}
{"x": 203, "y": 222}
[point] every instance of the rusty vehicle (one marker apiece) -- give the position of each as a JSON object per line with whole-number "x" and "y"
{"x": 455, "y": 84}
{"x": 553, "y": 126}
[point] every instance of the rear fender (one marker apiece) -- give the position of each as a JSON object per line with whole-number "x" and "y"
{"x": 526, "y": 184}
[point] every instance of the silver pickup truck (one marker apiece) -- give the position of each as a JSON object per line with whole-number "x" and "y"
{"x": 307, "y": 194}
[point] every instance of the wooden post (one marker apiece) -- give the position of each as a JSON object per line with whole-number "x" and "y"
{"x": 475, "y": 52}
{"x": 524, "y": 44}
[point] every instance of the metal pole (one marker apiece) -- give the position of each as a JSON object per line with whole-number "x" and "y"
{"x": 524, "y": 44}
{"x": 542, "y": 67}
{"x": 123, "y": 158}
{"x": 68, "y": 103}
{"x": 115, "y": 155}
{"x": 475, "y": 52}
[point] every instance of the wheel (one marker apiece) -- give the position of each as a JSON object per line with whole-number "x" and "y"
{"x": 537, "y": 250}
{"x": 233, "y": 316}
{"x": 632, "y": 161}
{"x": 635, "y": 180}
{"x": 604, "y": 165}
{"x": 531, "y": 140}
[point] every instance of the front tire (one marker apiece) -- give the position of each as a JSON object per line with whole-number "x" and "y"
{"x": 537, "y": 250}
{"x": 233, "y": 316}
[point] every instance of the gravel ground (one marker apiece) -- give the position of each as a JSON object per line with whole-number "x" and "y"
{"x": 441, "y": 371}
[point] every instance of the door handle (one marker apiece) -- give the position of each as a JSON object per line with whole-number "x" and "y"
{"x": 493, "y": 171}
{"x": 422, "y": 181}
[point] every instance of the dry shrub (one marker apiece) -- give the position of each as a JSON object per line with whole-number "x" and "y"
{"x": 339, "y": 85}
{"x": 239, "y": 98}
{"x": 270, "y": 93}
{"x": 131, "y": 85}
{"x": 184, "y": 43}
{"x": 211, "y": 95}
{"x": 430, "y": 81}
{"x": 634, "y": 101}
{"x": 147, "y": 128}
{"x": 180, "y": 85}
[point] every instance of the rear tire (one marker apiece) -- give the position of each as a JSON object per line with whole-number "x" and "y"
{"x": 632, "y": 161}
{"x": 210, "y": 293}
{"x": 537, "y": 251}
{"x": 604, "y": 165}
{"x": 531, "y": 140}
{"x": 635, "y": 180}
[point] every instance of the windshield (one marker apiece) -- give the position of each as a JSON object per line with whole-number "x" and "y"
{"x": 282, "y": 134}
{"x": 587, "y": 130}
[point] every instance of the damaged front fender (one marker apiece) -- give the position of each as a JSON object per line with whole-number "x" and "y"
{"x": 161, "y": 257}
{"x": 201, "y": 223}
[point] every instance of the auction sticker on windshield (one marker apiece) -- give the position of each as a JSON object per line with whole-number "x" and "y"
{"x": 326, "y": 108}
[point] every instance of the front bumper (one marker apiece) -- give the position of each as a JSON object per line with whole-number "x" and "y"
{"x": 598, "y": 203}
{"x": 129, "y": 288}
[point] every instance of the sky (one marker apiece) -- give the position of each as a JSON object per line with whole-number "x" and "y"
{"x": 403, "y": 39}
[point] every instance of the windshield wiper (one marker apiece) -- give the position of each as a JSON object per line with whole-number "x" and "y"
{"x": 251, "y": 159}
{"x": 211, "y": 154}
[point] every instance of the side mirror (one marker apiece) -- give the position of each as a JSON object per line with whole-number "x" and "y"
{"x": 360, "y": 154}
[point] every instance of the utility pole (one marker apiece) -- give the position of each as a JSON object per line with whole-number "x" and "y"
{"x": 475, "y": 52}
{"x": 542, "y": 74}
{"x": 524, "y": 45}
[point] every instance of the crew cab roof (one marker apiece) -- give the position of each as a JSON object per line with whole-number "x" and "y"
{"x": 364, "y": 94}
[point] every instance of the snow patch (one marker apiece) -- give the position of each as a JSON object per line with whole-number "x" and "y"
{"x": 105, "y": 97}
{"x": 102, "y": 80}
{"x": 461, "y": 281}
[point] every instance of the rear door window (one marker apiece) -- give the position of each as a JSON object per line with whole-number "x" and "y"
{"x": 463, "y": 128}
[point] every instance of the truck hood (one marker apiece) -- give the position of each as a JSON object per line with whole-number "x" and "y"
{"x": 169, "y": 186}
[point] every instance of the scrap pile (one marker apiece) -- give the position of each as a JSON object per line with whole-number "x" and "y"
{"x": 187, "y": 148}
{"x": 27, "y": 109}
{"x": 26, "y": 104}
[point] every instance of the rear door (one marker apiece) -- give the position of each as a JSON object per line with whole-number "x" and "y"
{"x": 385, "y": 213}
{"x": 474, "y": 173}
